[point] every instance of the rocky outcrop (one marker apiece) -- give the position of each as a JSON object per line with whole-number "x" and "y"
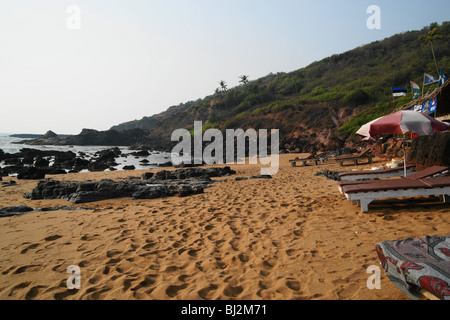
{"x": 94, "y": 138}
{"x": 159, "y": 185}
{"x": 30, "y": 173}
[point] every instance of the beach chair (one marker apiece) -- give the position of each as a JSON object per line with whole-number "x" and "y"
{"x": 354, "y": 158}
{"x": 418, "y": 267}
{"x": 433, "y": 171}
{"x": 313, "y": 159}
{"x": 375, "y": 174}
{"x": 365, "y": 193}
{"x": 304, "y": 161}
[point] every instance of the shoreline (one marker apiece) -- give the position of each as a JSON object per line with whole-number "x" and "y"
{"x": 290, "y": 237}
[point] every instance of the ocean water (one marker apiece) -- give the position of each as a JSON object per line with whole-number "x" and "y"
{"x": 155, "y": 157}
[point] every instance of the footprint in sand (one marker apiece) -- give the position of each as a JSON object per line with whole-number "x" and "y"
{"x": 233, "y": 292}
{"x": 293, "y": 284}
{"x": 173, "y": 290}
{"x": 33, "y": 292}
{"x": 52, "y": 238}
{"x": 203, "y": 293}
{"x": 244, "y": 257}
{"x": 27, "y": 268}
{"x": 147, "y": 282}
{"x": 32, "y": 246}
{"x": 22, "y": 285}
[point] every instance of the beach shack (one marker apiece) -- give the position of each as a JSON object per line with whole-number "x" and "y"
{"x": 435, "y": 103}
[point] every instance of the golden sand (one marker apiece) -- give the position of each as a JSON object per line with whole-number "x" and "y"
{"x": 290, "y": 237}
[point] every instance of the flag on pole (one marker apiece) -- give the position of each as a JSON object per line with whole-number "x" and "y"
{"x": 429, "y": 79}
{"x": 442, "y": 79}
{"x": 415, "y": 89}
{"x": 399, "y": 92}
{"x": 433, "y": 105}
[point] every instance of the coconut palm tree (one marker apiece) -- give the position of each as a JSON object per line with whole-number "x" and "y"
{"x": 432, "y": 35}
{"x": 223, "y": 85}
{"x": 244, "y": 79}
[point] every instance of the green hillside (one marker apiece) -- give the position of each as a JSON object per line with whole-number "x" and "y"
{"x": 326, "y": 100}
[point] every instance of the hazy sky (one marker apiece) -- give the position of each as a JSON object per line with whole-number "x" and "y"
{"x": 118, "y": 60}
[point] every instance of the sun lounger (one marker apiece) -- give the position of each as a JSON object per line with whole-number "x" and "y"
{"x": 304, "y": 161}
{"x": 312, "y": 159}
{"x": 375, "y": 174}
{"x": 433, "y": 171}
{"x": 418, "y": 267}
{"x": 355, "y": 157}
{"x": 364, "y": 193}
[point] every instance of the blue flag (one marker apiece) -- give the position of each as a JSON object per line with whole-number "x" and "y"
{"x": 433, "y": 105}
{"x": 442, "y": 79}
{"x": 429, "y": 79}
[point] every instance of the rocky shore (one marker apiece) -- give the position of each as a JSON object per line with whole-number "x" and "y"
{"x": 36, "y": 164}
{"x": 181, "y": 182}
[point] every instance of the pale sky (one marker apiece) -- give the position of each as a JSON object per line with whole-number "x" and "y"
{"x": 136, "y": 58}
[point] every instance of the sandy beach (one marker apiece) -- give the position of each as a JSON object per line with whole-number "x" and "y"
{"x": 290, "y": 237}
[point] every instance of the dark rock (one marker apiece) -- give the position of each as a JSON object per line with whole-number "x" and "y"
{"x": 28, "y": 160}
{"x": 97, "y": 166}
{"x": 50, "y": 134}
{"x": 147, "y": 175}
{"x": 331, "y": 175}
{"x": 9, "y": 184}
{"x": 142, "y": 153}
{"x": 41, "y": 162}
{"x": 105, "y": 155}
{"x": 189, "y": 191}
{"x": 80, "y": 164}
{"x": 181, "y": 182}
{"x": 11, "y": 211}
{"x": 130, "y": 167}
{"x": 262, "y": 176}
{"x": 62, "y": 156}
{"x": 166, "y": 164}
{"x": 30, "y": 173}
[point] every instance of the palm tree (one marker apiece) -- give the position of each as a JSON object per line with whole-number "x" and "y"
{"x": 432, "y": 35}
{"x": 244, "y": 79}
{"x": 223, "y": 85}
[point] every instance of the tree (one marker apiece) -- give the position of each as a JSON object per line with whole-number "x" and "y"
{"x": 244, "y": 79}
{"x": 223, "y": 85}
{"x": 432, "y": 35}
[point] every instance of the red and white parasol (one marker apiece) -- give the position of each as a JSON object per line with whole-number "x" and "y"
{"x": 402, "y": 122}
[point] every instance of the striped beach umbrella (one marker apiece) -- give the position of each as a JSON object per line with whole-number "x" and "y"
{"x": 402, "y": 122}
